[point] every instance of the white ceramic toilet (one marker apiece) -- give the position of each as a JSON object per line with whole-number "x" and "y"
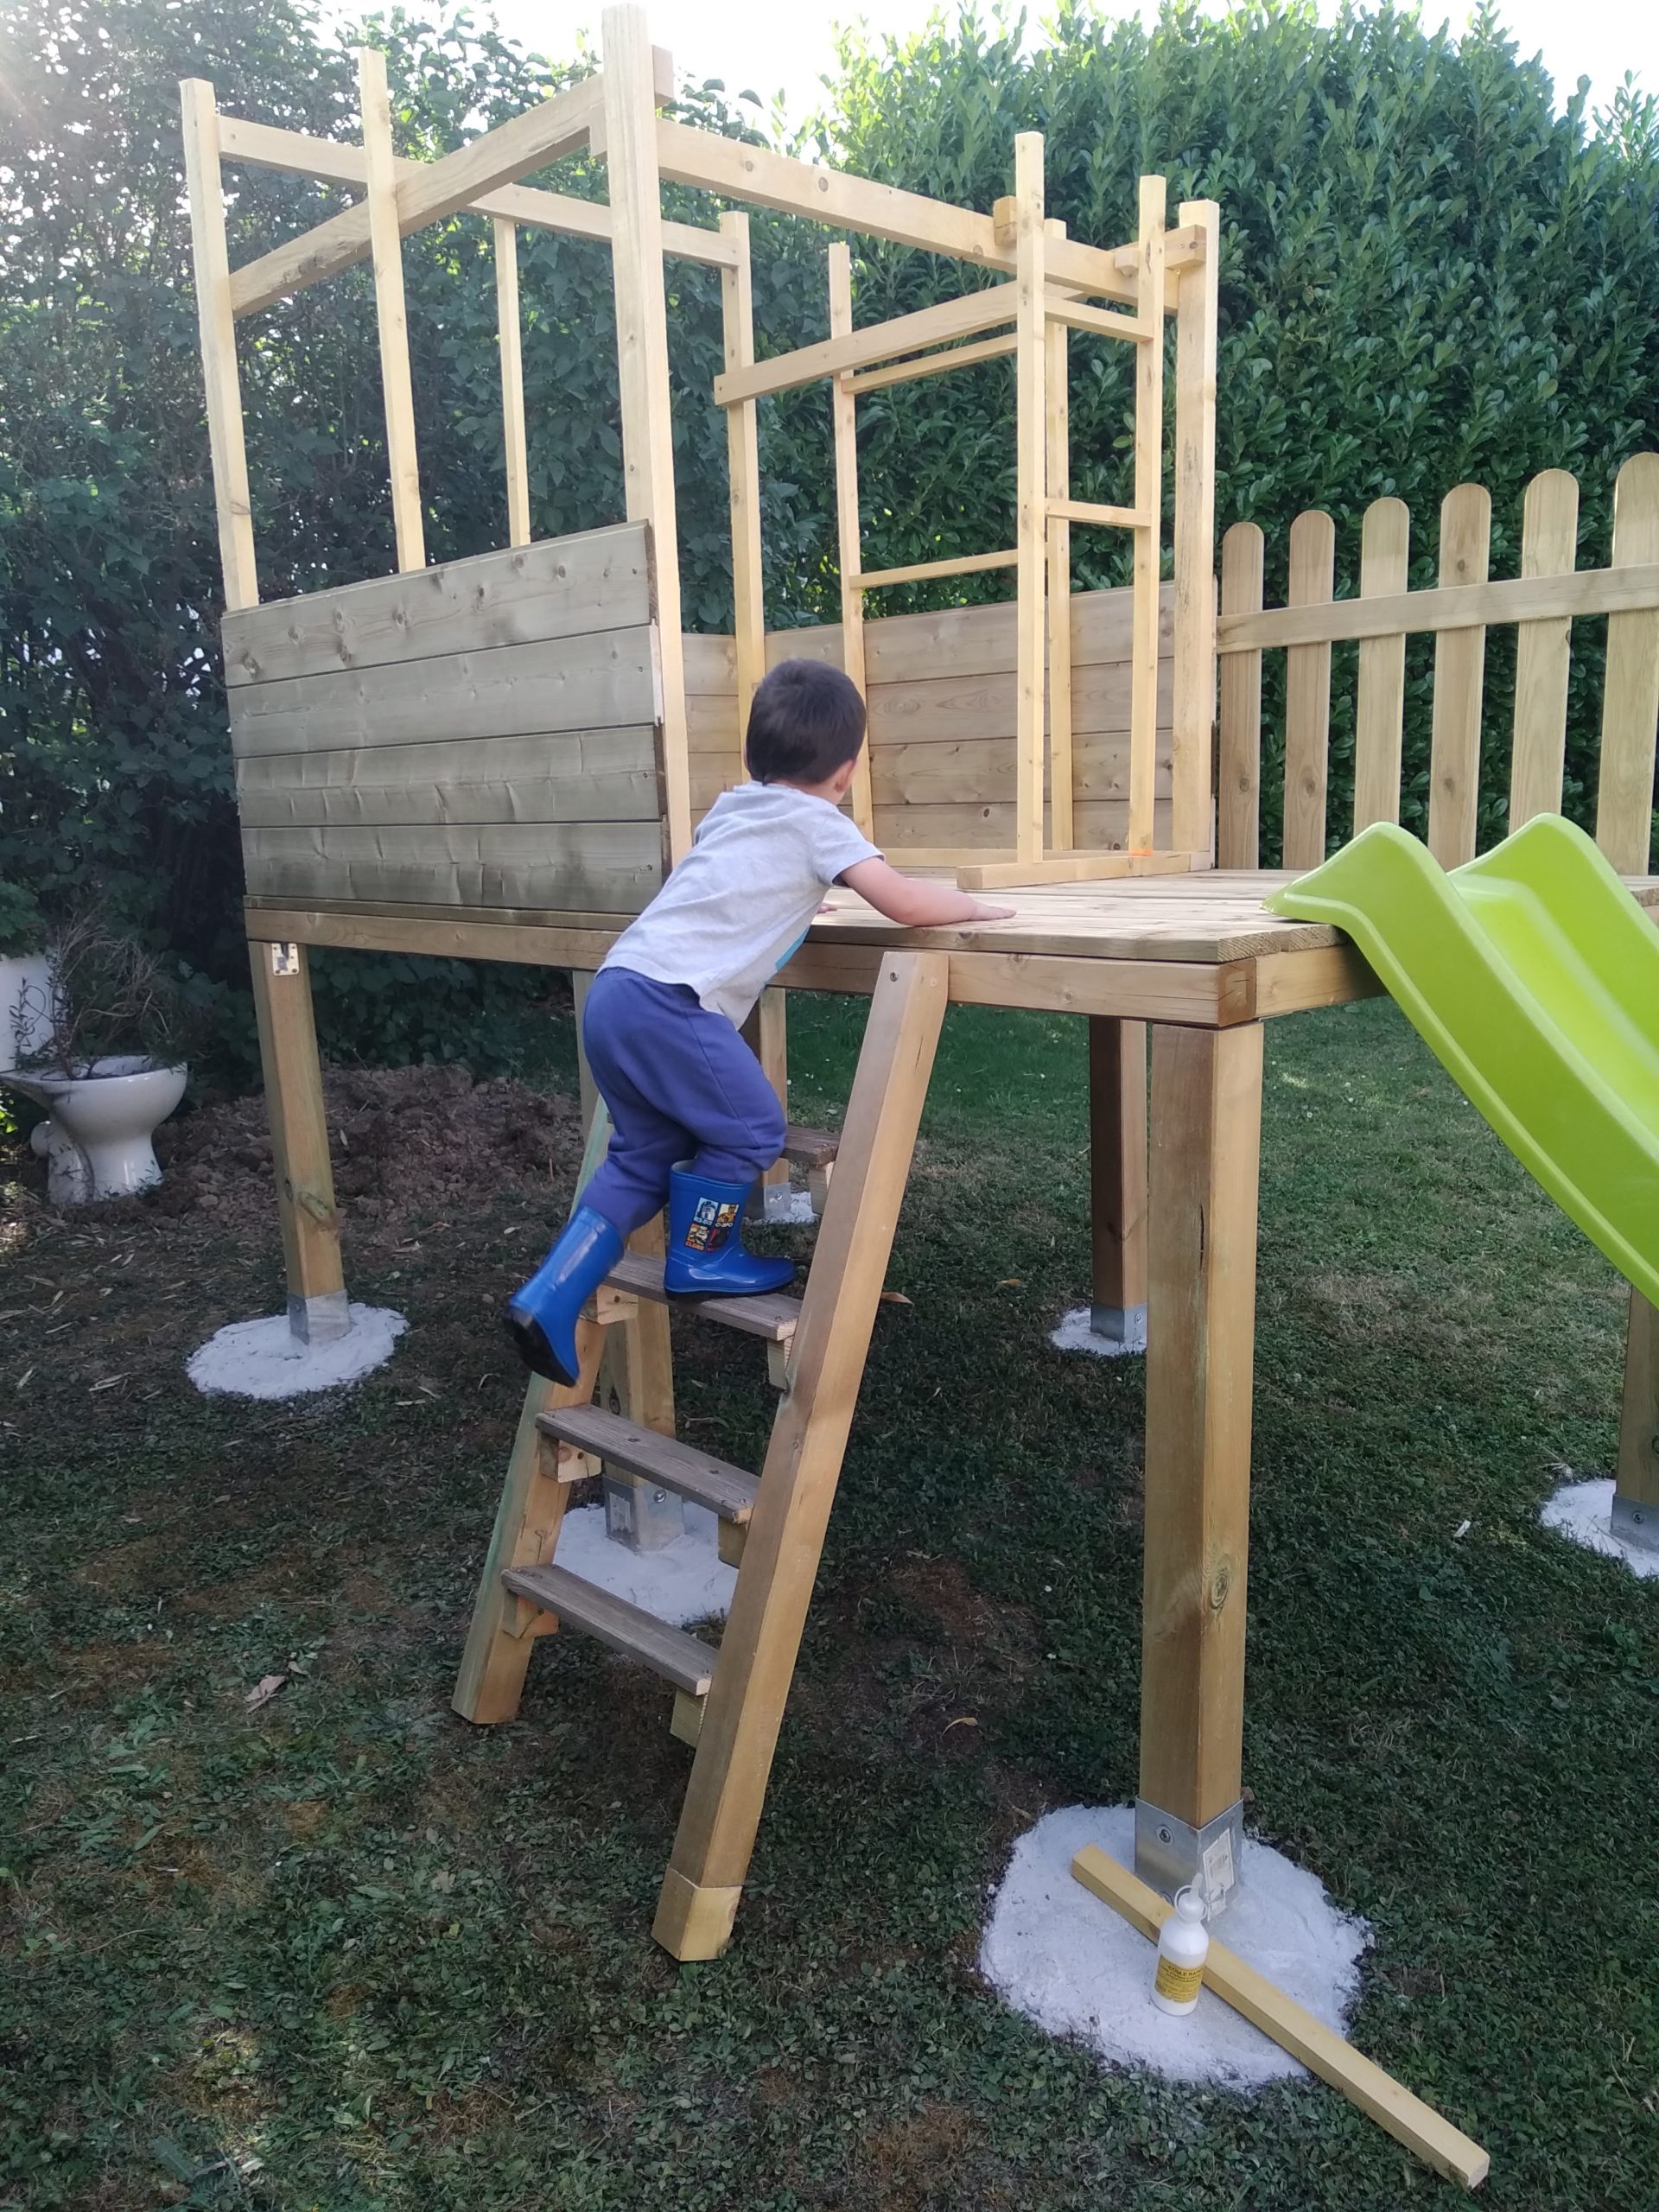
{"x": 97, "y": 1144}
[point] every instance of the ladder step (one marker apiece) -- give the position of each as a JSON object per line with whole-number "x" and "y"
{"x": 810, "y": 1148}
{"x": 725, "y": 1490}
{"x": 772, "y": 1316}
{"x": 685, "y": 1661}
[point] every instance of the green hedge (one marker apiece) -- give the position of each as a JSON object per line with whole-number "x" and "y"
{"x": 1428, "y": 276}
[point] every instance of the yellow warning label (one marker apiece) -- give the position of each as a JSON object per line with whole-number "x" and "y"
{"x": 1178, "y": 1984}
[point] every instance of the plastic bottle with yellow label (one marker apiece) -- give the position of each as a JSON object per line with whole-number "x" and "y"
{"x": 1183, "y": 1946}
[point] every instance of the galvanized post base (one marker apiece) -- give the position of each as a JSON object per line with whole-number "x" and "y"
{"x": 1635, "y": 1524}
{"x": 320, "y": 1320}
{"x": 1122, "y": 1327}
{"x": 642, "y": 1514}
{"x": 1170, "y": 1853}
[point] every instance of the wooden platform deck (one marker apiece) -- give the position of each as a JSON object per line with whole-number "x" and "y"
{"x": 1200, "y": 950}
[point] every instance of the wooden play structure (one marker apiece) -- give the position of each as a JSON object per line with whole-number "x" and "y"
{"x": 499, "y": 757}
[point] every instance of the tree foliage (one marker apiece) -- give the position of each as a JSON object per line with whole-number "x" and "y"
{"x": 1428, "y": 275}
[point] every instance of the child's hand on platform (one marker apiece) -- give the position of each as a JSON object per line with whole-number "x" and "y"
{"x": 984, "y": 913}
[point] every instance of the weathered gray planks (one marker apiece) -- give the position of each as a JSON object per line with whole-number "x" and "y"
{"x": 607, "y": 680}
{"x": 601, "y": 866}
{"x": 557, "y": 588}
{"x": 570, "y": 776}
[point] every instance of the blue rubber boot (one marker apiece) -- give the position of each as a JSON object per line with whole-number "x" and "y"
{"x": 542, "y": 1316}
{"x": 706, "y": 1254}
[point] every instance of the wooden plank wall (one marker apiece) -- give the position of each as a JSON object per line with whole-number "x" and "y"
{"x": 941, "y": 689}
{"x": 1550, "y": 594}
{"x": 484, "y": 733}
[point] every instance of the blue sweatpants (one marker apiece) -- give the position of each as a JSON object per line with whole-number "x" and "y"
{"x": 681, "y": 1084}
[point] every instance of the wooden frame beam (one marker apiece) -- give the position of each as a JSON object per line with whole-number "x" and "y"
{"x": 880, "y": 341}
{"x": 932, "y": 365}
{"x": 233, "y": 498}
{"x": 965, "y": 564}
{"x": 630, "y": 115}
{"x": 843, "y": 415}
{"x": 743, "y": 469}
{"x": 542, "y": 134}
{"x": 386, "y": 249}
{"x": 1148, "y": 502}
{"x": 1192, "y": 823}
{"x": 258, "y": 145}
{"x": 509, "y": 336}
{"x": 1031, "y": 490}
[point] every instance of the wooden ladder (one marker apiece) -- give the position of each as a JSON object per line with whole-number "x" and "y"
{"x": 729, "y": 1698}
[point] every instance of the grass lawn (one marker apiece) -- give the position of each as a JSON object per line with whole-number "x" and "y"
{"x": 346, "y": 1951}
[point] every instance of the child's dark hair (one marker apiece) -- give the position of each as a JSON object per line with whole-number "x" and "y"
{"x": 806, "y": 722}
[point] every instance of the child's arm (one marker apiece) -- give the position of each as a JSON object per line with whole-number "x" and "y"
{"x": 917, "y": 905}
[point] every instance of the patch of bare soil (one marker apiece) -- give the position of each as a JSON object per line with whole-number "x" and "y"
{"x": 403, "y": 1141}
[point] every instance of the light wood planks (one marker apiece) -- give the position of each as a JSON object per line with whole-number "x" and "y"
{"x": 1321, "y": 2050}
{"x": 680, "y": 1658}
{"x": 561, "y": 776}
{"x": 1062, "y": 828}
{"x": 642, "y": 362}
{"x": 1549, "y": 547}
{"x": 1380, "y": 711}
{"x": 289, "y": 151}
{"x": 1148, "y": 502}
{"x": 505, "y": 235}
{"x": 532, "y": 141}
{"x": 599, "y": 580}
{"x": 386, "y": 250}
{"x": 932, "y": 365}
{"x": 809, "y": 1438}
{"x": 1239, "y": 767}
{"x": 956, "y": 564}
{"x": 1031, "y": 491}
{"x": 743, "y": 468}
{"x": 1206, "y": 1125}
{"x": 850, "y": 349}
{"x": 848, "y": 526}
{"x": 1631, "y": 698}
{"x": 232, "y": 500}
{"x": 1117, "y": 1157}
{"x": 1459, "y": 682}
{"x": 299, "y": 1127}
{"x": 1471, "y": 607}
{"x": 1192, "y": 827}
{"x": 1307, "y": 694}
{"x": 1638, "y": 1427}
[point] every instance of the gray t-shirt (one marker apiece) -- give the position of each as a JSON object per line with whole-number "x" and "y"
{"x": 743, "y": 898}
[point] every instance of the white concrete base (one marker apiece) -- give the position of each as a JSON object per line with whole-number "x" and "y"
{"x": 786, "y": 1204}
{"x": 1076, "y": 1333}
{"x": 265, "y": 1359}
{"x": 1077, "y": 1969}
{"x": 1582, "y": 1512}
{"x": 685, "y": 1581}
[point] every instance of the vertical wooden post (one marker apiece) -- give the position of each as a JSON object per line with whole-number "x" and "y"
{"x": 797, "y": 1483}
{"x": 636, "y": 1372}
{"x": 500, "y": 1642}
{"x": 1192, "y": 828}
{"x": 1307, "y": 694}
{"x": 1459, "y": 682}
{"x": 1635, "y": 1493}
{"x": 849, "y": 535}
{"x": 1062, "y": 833}
{"x": 1630, "y": 708}
{"x": 318, "y": 1309}
{"x": 1117, "y": 1151}
{"x": 505, "y": 233}
{"x": 386, "y": 246}
{"x": 767, "y": 1032}
{"x": 1543, "y": 650}
{"x": 1238, "y": 826}
{"x": 1149, "y": 509}
{"x": 1207, "y": 1129}
{"x": 743, "y": 472}
{"x": 226, "y": 443}
{"x": 1379, "y": 709}
{"x": 642, "y": 365}
{"x": 1030, "y": 494}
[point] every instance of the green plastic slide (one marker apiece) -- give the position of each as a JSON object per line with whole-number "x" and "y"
{"x": 1532, "y": 975}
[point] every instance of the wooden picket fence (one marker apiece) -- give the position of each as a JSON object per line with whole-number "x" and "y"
{"x": 1542, "y": 602}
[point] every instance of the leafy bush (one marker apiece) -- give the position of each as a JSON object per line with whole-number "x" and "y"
{"x": 22, "y": 925}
